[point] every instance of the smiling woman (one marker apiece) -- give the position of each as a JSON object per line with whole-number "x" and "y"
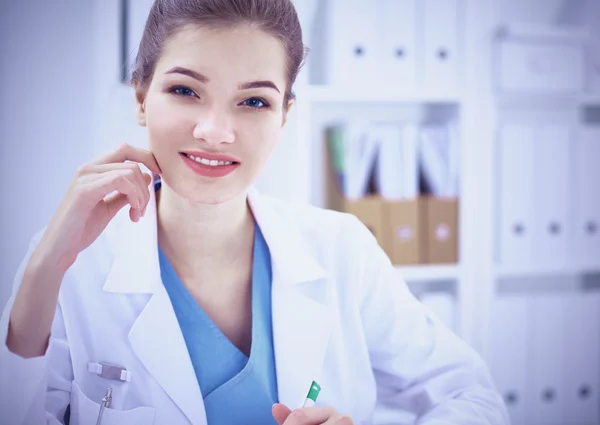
{"x": 210, "y": 303}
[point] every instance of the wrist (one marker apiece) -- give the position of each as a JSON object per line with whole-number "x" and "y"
{"x": 48, "y": 261}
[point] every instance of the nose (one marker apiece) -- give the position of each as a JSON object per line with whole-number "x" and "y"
{"x": 214, "y": 129}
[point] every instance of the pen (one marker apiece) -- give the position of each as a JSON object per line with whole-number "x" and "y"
{"x": 106, "y": 400}
{"x": 313, "y": 393}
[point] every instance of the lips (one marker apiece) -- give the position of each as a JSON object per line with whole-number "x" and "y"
{"x": 209, "y": 168}
{"x": 211, "y": 156}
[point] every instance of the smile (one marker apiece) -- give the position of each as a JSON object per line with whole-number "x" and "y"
{"x": 212, "y": 163}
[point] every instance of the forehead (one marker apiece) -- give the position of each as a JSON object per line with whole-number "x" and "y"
{"x": 241, "y": 53}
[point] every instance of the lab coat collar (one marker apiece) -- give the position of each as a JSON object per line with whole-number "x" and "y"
{"x": 301, "y": 318}
{"x": 136, "y": 267}
{"x": 291, "y": 257}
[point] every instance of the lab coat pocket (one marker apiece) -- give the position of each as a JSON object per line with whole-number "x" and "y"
{"x": 85, "y": 412}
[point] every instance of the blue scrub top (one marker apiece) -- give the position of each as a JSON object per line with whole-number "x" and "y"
{"x": 236, "y": 389}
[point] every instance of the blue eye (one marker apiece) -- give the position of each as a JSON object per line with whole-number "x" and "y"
{"x": 256, "y": 103}
{"x": 182, "y": 91}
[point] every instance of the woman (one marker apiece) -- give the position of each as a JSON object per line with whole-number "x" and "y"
{"x": 211, "y": 303}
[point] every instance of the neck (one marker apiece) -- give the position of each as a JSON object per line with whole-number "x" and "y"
{"x": 204, "y": 242}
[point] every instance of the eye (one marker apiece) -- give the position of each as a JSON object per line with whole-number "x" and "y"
{"x": 182, "y": 91}
{"x": 255, "y": 103}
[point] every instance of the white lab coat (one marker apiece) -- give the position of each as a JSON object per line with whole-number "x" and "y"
{"x": 342, "y": 316}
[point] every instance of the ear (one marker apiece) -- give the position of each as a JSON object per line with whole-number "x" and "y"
{"x": 140, "y": 104}
{"x": 286, "y": 111}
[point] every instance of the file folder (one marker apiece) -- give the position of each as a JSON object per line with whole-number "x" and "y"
{"x": 410, "y": 161}
{"x": 389, "y": 179}
{"x": 352, "y": 44}
{"x": 509, "y": 333}
{"x": 547, "y": 360}
{"x": 397, "y": 173}
{"x": 397, "y": 44}
{"x": 434, "y": 159}
{"x": 516, "y": 194}
{"x": 586, "y": 197}
{"x": 552, "y": 179}
{"x": 441, "y": 43}
{"x": 582, "y": 365}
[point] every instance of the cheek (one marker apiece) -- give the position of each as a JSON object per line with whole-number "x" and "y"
{"x": 166, "y": 123}
{"x": 261, "y": 135}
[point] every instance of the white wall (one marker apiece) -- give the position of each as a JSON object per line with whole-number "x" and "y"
{"x": 45, "y": 115}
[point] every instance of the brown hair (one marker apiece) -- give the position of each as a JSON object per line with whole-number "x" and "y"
{"x": 276, "y": 17}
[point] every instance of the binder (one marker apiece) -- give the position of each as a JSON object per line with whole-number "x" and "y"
{"x": 397, "y": 43}
{"x": 547, "y": 359}
{"x": 509, "y": 334}
{"x": 586, "y": 198}
{"x": 551, "y": 191}
{"x": 582, "y": 365}
{"x": 441, "y": 43}
{"x": 351, "y": 52}
{"x": 516, "y": 194}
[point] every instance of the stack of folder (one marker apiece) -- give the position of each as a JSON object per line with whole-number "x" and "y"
{"x": 401, "y": 180}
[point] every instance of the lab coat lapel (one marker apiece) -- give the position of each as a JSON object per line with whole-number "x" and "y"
{"x": 300, "y": 316}
{"x": 155, "y": 336}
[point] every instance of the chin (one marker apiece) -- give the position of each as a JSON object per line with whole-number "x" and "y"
{"x": 208, "y": 193}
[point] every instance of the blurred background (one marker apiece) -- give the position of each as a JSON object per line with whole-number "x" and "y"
{"x": 464, "y": 133}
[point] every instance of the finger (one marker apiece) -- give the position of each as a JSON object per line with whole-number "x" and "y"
{"x": 115, "y": 204}
{"x": 121, "y": 181}
{"x": 280, "y": 413}
{"x": 90, "y": 172}
{"x": 126, "y": 152}
{"x": 132, "y": 170}
{"x": 310, "y": 416}
{"x": 89, "y": 169}
{"x": 338, "y": 419}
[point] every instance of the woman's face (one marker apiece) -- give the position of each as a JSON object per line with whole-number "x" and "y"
{"x": 216, "y": 96}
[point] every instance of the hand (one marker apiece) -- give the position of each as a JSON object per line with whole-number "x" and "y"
{"x": 309, "y": 416}
{"x": 99, "y": 190}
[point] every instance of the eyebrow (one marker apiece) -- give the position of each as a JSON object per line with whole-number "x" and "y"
{"x": 258, "y": 84}
{"x": 193, "y": 74}
{"x": 204, "y": 79}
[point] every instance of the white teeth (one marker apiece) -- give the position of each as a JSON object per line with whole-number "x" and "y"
{"x": 212, "y": 163}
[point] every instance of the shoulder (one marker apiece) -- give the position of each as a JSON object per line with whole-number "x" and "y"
{"x": 340, "y": 234}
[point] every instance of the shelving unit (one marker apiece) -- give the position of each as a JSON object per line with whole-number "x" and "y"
{"x": 325, "y": 94}
{"x": 427, "y": 273}
{"x": 470, "y": 281}
{"x": 541, "y": 272}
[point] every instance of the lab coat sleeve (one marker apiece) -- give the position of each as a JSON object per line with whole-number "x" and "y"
{"x": 36, "y": 390}
{"x": 420, "y": 366}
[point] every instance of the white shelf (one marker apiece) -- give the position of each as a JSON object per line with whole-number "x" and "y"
{"x": 429, "y": 272}
{"x": 536, "y": 99}
{"x": 327, "y": 94}
{"x": 507, "y": 272}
